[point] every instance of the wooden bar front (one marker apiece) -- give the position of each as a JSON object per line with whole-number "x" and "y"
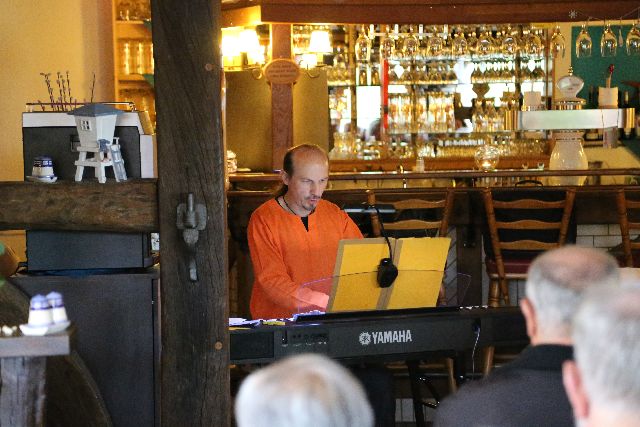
{"x": 594, "y": 205}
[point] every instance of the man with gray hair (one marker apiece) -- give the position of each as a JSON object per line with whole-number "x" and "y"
{"x": 529, "y": 391}
{"x": 308, "y": 390}
{"x": 603, "y": 383}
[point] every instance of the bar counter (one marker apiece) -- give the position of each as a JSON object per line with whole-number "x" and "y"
{"x": 594, "y": 204}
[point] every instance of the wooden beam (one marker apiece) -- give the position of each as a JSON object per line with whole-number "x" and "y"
{"x": 194, "y": 371}
{"x": 67, "y": 205}
{"x": 281, "y": 98}
{"x": 434, "y": 11}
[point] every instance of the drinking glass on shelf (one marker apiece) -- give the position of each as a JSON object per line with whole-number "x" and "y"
{"x": 126, "y": 59}
{"x": 139, "y": 57}
{"x": 557, "y": 43}
{"x": 148, "y": 58}
{"x": 144, "y": 10}
{"x": 584, "y": 43}
{"x": 134, "y": 14}
{"x": 478, "y": 117}
{"x": 608, "y": 42}
{"x": 375, "y": 75}
{"x": 633, "y": 40}
{"x": 538, "y": 72}
{"x": 124, "y": 10}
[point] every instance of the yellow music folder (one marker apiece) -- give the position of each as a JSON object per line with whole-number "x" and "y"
{"x": 420, "y": 261}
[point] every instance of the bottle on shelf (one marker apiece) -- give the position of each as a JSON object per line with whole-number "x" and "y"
{"x": 126, "y": 59}
{"x": 627, "y": 131}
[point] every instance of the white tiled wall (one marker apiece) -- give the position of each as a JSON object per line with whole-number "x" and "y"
{"x": 602, "y": 236}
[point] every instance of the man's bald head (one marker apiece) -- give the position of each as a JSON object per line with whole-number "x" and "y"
{"x": 557, "y": 280}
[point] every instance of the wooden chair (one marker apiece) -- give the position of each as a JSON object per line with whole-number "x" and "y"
{"x": 414, "y": 227}
{"x": 440, "y": 208}
{"x": 523, "y": 228}
{"x": 519, "y": 229}
{"x": 625, "y": 207}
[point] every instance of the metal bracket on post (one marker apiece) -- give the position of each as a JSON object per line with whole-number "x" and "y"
{"x": 191, "y": 218}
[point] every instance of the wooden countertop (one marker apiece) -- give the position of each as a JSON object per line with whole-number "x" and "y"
{"x": 450, "y": 174}
{"x": 38, "y": 346}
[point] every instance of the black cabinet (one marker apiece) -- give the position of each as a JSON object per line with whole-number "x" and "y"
{"x": 115, "y": 317}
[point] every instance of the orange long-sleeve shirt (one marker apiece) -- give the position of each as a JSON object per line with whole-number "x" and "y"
{"x": 285, "y": 256}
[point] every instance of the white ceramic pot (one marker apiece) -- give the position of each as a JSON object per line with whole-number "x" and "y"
{"x": 568, "y": 154}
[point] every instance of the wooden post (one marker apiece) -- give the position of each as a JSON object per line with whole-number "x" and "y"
{"x": 281, "y": 97}
{"x": 194, "y": 371}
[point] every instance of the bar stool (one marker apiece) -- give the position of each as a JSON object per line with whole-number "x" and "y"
{"x": 626, "y": 208}
{"x": 521, "y": 224}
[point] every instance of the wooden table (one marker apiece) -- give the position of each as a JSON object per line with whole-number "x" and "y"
{"x": 23, "y": 362}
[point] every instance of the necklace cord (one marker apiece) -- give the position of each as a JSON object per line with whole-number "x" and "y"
{"x": 288, "y": 207}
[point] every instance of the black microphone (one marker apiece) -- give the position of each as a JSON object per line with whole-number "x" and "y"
{"x": 387, "y": 271}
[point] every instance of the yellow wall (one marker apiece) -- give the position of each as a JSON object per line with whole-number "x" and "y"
{"x": 39, "y": 36}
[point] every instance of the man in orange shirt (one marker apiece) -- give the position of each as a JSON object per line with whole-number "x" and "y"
{"x": 293, "y": 238}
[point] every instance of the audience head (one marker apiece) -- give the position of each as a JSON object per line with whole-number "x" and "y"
{"x": 555, "y": 285}
{"x": 603, "y": 383}
{"x": 306, "y": 390}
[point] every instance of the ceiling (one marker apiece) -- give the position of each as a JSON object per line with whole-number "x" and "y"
{"x": 251, "y": 12}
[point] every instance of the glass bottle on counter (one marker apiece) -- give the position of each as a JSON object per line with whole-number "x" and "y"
{"x": 375, "y": 76}
{"x": 362, "y": 76}
{"x": 478, "y": 117}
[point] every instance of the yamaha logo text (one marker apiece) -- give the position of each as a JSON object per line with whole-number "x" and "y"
{"x": 385, "y": 337}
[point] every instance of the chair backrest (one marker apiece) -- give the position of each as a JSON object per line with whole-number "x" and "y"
{"x": 430, "y": 216}
{"x": 525, "y": 223}
{"x": 626, "y": 210}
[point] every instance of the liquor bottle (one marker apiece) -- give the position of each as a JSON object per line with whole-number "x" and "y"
{"x": 592, "y": 98}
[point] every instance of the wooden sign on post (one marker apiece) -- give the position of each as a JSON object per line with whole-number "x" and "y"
{"x": 282, "y": 71}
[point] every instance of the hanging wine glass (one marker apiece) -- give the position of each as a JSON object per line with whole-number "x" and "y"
{"x": 633, "y": 40}
{"x": 363, "y": 46}
{"x": 485, "y": 43}
{"x": 583, "y": 43}
{"x": 435, "y": 43}
{"x": 608, "y": 42}
{"x": 472, "y": 42}
{"x": 509, "y": 45}
{"x": 387, "y": 45}
{"x": 532, "y": 44}
{"x": 411, "y": 45}
{"x": 557, "y": 43}
{"x": 459, "y": 45}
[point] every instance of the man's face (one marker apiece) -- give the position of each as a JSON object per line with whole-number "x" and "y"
{"x": 308, "y": 182}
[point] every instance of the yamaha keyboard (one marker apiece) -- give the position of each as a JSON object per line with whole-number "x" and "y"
{"x": 389, "y": 335}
